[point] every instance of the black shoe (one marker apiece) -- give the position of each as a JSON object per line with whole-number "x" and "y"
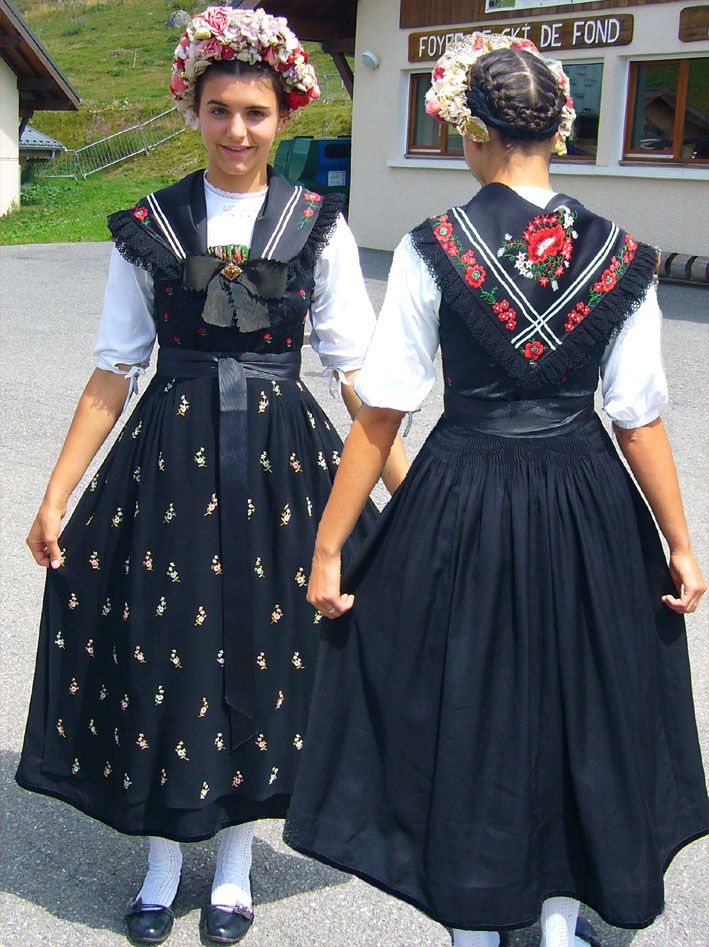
{"x": 586, "y": 933}
{"x": 148, "y": 923}
{"x": 225, "y": 925}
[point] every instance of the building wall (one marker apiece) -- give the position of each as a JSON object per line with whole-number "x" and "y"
{"x": 668, "y": 207}
{"x": 9, "y": 139}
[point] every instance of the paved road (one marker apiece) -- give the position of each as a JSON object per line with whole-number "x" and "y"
{"x": 66, "y": 878}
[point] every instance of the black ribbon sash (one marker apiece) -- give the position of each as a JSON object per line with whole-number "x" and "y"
{"x": 232, "y": 369}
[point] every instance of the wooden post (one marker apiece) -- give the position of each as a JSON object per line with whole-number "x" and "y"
{"x": 343, "y": 67}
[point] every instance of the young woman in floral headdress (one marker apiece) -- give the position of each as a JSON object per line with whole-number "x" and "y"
{"x": 504, "y": 711}
{"x": 177, "y": 648}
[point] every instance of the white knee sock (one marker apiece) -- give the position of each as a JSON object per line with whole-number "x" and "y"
{"x": 475, "y": 938}
{"x": 231, "y": 886}
{"x": 559, "y": 922}
{"x": 163, "y": 877}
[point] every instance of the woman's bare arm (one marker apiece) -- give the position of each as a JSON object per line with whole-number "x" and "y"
{"x": 363, "y": 458}
{"x": 98, "y": 410}
{"x": 649, "y": 456}
{"x": 397, "y": 464}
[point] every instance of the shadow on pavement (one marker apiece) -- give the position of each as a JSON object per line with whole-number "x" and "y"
{"x": 81, "y": 871}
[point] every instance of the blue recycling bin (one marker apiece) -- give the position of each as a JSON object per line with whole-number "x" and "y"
{"x": 320, "y": 164}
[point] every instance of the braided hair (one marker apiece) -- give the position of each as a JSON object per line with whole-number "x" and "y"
{"x": 516, "y": 93}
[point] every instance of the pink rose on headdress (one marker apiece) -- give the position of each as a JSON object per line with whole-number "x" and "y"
{"x": 217, "y": 18}
{"x": 184, "y": 41}
{"x": 433, "y": 106}
{"x": 178, "y": 84}
{"x": 212, "y": 49}
{"x": 438, "y": 73}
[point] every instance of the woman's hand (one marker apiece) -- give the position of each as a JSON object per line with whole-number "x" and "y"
{"x": 689, "y": 580}
{"x": 324, "y": 586}
{"x": 43, "y": 538}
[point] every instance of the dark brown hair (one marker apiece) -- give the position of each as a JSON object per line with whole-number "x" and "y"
{"x": 241, "y": 70}
{"x": 519, "y": 93}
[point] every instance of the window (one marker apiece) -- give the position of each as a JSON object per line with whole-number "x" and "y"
{"x": 668, "y": 111}
{"x": 585, "y": 80}
{"x": 426, "y": 135}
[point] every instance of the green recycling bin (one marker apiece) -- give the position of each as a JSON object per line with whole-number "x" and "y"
{"x": 320, "y": 164}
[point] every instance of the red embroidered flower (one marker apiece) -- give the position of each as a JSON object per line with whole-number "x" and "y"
{"x": 583, "y": 308}
{"x": 543, "y": 281}
{"x": 202, "y": 330}
{"x": 451, "y": 248}
{"x": 289, "y": 342}
{"x": 166, "y": 316}
{"x": 615, "y": 263}
{"x": 308, "y": 212}
{"x": 141, "y": 214}
{"x": 176, "y": 339}
{"x": 301, "y": 292}
{"x": 475, "y": 276}
{"x": 468, "y": 258}
{"x": 567, "y": 249}
{"x": 533, "y": 350}
{"x": 511, "y": 324}
{"x": 544, "y": 243}
{"x": 606, "y": 283}
{"x": 267, "y": 338}
{"x": 443, "y": 232}
{"x": 501, "y": 307}
{"x": 312, "y": 197}
{"x": 169, "y": 290}
{"x": 630, "y": 243}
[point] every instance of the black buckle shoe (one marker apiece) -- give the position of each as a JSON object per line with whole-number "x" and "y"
{"x": 148, "y": 923}
{"x": 225, "y": 925}
{"x": 586, "y": 933}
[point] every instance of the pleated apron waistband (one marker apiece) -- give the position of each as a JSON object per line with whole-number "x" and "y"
{"x": 232, "y": 369}
{"x": 546, "y": 417}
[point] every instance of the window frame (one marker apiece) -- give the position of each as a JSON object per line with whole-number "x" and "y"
{"x": 673, "y": 157}
{"x": 422, "y": 151}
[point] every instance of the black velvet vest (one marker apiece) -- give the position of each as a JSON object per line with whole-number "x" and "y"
{"x": 202, "y": 303}
{"x": 530, "y": 297}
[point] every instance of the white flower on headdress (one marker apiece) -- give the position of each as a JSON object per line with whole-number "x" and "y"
{"x": 446, "y": 100}
{"x": 251, "y": 36}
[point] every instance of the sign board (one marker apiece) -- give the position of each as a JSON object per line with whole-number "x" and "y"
{"x": 589, "y": 32}
{"x": 694, "y": 24}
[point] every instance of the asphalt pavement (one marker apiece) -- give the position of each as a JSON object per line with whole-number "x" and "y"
{"x": 66, "y": 879}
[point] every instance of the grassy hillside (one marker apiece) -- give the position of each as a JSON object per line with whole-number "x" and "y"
{"x": 117, "y": 54}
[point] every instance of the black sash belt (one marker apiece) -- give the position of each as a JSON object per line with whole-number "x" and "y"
{"x": 232, "y": 369}
{"x": 543, "y": 418}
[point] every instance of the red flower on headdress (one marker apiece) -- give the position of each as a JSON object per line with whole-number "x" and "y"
{"x": 545, "y": 243}
{"x": 296, "y": 100}
{"x": 228, "y": 52}
{"x": 178, "y": 84}
{"x": 533, "y": 350}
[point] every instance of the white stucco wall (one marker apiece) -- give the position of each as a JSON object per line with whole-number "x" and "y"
{"x": 9, "y": 139}
{"x": 668, "y": 207}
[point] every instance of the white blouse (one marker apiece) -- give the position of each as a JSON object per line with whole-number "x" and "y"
{"x": 398, "y": 371}
{"x": 341, "y": 313}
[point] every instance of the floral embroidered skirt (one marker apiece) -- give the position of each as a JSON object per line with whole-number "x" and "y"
{"x": 506, "y": 714}
{"x": 127, "y": 720}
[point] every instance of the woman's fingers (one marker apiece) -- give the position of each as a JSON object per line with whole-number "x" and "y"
{"x": 686, "y": 603}
{"x": 43, "y": 541}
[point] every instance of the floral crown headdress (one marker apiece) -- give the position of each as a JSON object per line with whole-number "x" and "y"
{"x": 251, "y": 36}
{"x": 448, "y": 101}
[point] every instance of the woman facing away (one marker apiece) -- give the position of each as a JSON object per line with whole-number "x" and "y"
{"x": 502, "y": 724}
{"x": 176, "y": 654}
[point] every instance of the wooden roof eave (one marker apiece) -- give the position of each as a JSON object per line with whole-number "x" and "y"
{"x": 41, "y": 84}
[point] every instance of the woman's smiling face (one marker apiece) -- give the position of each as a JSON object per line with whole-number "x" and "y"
{"x": 239, "y": 120}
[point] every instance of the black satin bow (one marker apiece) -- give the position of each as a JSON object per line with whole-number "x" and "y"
{"x": 238, "y": 298}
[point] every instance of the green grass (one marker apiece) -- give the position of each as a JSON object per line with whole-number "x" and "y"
{"x": 117, "y": 55}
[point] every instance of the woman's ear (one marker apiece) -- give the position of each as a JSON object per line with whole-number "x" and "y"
{"x": 282, "y": 121}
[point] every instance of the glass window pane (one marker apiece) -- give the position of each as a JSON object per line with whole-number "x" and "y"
{"x": 695, "y": 137}
{"x": 426, "y": 131}
{"x": 455, "y": 142}
{"x": 655, "y": 104}
{"x": 586, "y": 80}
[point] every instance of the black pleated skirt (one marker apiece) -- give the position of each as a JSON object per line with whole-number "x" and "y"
{"x": 128, "y": 721}
{"x": 506, "y": 714}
